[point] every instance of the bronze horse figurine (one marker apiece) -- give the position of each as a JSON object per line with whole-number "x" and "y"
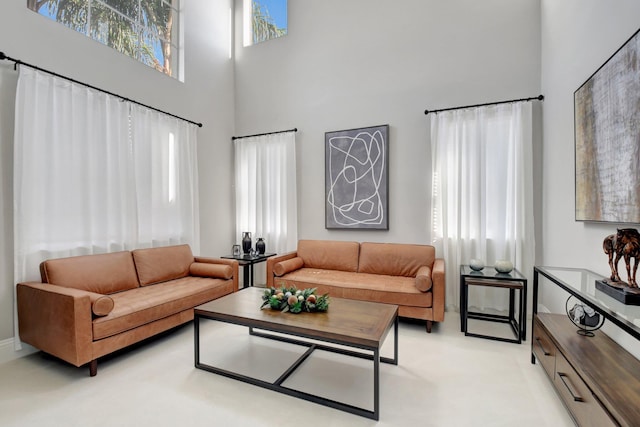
{"x": 625, "y": 243}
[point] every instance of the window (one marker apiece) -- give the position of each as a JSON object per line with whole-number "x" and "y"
{"x": 264, "y": 20}
{"x": 146, "y": 30}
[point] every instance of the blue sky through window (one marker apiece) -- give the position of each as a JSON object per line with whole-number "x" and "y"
{"x": 278, "y": 11}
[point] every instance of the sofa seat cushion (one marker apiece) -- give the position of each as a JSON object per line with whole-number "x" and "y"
{"x": 137, "y": 307}
{"x": 397, "y": 290}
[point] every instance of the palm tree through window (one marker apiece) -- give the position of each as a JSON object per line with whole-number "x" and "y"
{"x": 146, "y": 30}
{"x": 264, "y": 20}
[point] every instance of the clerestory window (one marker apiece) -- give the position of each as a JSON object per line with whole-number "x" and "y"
{"x": 146, "y": 30}
{"x": 264, "y": 20}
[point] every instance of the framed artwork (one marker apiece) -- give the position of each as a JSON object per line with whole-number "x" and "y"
{"x": 357, "y": 178}
{"x": 607, "y": 139}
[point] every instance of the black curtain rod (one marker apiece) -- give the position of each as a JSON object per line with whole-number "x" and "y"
{"x": 124, "y": 98}
{"x": 233, "y": 138}
{"x": 539, "y": 98}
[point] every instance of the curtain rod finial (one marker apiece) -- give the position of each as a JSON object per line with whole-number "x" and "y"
{"x": 2, "y": 56}
{"x": 540, "y": 97}
{"x": 426, "y": 111}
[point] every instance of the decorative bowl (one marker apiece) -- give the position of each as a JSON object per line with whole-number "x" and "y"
{"x": 503, "y": 266}
{"x": 476, "y": 264}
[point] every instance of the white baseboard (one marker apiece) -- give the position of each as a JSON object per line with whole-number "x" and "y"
{"x": 8, "y": 352}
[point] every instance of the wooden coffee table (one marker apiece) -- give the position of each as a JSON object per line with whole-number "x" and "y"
{"x": 358, "y": 324}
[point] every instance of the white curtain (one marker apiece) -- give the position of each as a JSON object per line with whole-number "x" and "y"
{"x": 166, "y": 172}
{"x": 266, "y": 199}
{"x": 94, "y": 174}
{"x": 483, "y": 193}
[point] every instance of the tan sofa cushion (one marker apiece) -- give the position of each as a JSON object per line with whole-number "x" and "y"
{"x": 156, "y": 265}
{"x": 329, "y": 254}
{"x": 101, "y": 305}
{"x": 286, "y": 266}
{"x": 100, "y": 273}
{"x": 423, "y": 279}
{"x": 395, "y": 259}
{"x": 362, "y": 286}
{"x": 205, "y": 269}
{"x": 147, "y": 304}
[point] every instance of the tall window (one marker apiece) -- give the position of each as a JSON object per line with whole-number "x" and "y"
{"x": 146, "y": 30}
{"x": 264, "y": 20}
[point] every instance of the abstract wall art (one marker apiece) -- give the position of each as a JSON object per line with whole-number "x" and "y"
{"x": 607, "y": 139}
{"x": 357, "y": 178}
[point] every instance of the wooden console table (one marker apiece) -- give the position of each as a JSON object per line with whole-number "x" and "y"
{"x": 597, "y": 379}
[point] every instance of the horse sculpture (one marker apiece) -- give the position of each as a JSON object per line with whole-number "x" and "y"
{"x": 625, "y": 243}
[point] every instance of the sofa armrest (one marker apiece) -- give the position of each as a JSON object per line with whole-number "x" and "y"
{"x": 272, "y": 261}
{"x": 438, "y": 289}
{"x": 56, "y": 320}
{"x": 231, "y": 262}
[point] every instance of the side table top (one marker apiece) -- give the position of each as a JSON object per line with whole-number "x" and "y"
{"x": 248, "y": 258}
{"x": 491, "y": 273}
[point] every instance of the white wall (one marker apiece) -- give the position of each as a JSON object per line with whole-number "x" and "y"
{"x": 578, "y": 36}
{"x": 205, "y": 96}
{"x": 357, "y": 63}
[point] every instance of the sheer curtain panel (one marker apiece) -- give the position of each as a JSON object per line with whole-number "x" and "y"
{"x": 482, "y": 199}
{"x": 95, "y": 174}
{"x": 166, "y": 184}
{"x": 266, "y": 200}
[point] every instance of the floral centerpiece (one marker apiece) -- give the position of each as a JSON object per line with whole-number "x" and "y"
{"x": 294, "y": 300}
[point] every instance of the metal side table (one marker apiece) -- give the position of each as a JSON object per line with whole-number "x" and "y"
{"x": 513, "y": 281}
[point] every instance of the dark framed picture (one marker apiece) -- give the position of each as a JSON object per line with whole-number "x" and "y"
{"x": 607, "y": 139}
{"x": 357, "y": 178}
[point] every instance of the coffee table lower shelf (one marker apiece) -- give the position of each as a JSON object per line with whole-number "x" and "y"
{"x": 277, "y": 384}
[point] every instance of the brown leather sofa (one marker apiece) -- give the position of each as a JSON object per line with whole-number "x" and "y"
{"x": 406, "y": 275}
{"x": 90, "y": 306}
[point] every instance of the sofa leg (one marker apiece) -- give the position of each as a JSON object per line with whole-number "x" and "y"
{"x": 429, "y": 325}
{"x": 93, "y": 368}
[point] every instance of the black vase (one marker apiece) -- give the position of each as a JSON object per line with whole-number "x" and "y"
{"x": 246, "y": 242}
{"x": 260, "y": 246}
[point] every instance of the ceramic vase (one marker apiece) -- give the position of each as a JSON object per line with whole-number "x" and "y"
{"x": 260, "y": 246}
{"x": 246, "y": 242}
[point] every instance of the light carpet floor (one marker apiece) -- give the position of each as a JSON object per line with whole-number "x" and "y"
{"x": 443, "y": 379}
